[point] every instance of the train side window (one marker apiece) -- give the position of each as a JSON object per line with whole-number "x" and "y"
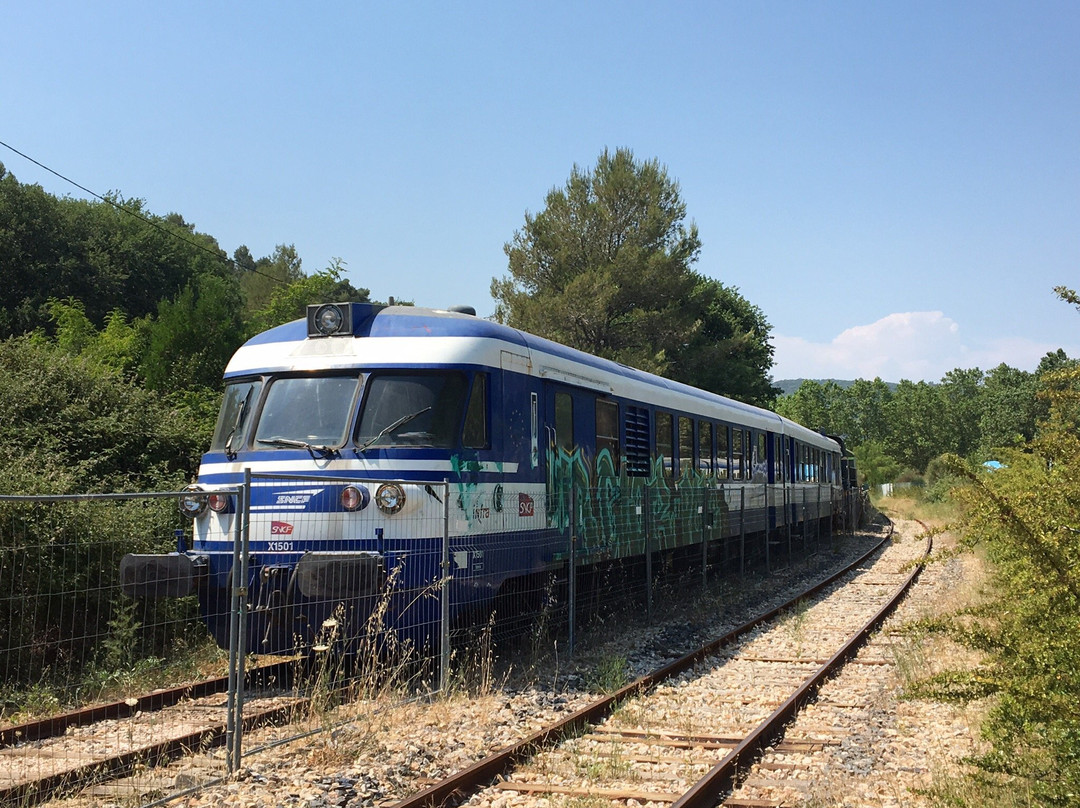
{"x": 705, "y": 448}
{"x": 778, "y": 458}
{"x": 475, "y": 435}
{"x": 237, "y": 407}
{"x": 722, "y": 447}
{"x": 607, "y": 433}
{"x": 665, "y": 440}
{"x": 761, "y": 461}
{"x": 686, "y": 446}
{"x": 737, "y": 454}
{"x": 564, "y": 421}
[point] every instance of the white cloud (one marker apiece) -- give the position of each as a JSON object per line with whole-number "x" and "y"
{"x": 918, "y": 345}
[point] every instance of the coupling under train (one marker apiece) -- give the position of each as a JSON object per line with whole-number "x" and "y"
{"x": 371, "y": 434}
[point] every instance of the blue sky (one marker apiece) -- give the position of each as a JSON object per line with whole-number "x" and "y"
{"x": 895, "y": 184}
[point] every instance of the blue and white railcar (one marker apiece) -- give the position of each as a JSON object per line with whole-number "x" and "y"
{"x": 348, "y": 421}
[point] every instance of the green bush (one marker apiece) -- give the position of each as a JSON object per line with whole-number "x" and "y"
{"x": 1027, "y": 516}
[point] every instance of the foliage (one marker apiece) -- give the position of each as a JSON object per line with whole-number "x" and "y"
{"x": 190, "y": 342}
{"x": 259, "y": 278}
{"x": 1008, "y": 417}
{"x": 873, "y": 464}
{"x": 940, "y": 482}
{"x": 728, "y": 349}
{"x": 606, "y": 268}
{"x": 968, "y": 413}
{"x": 289, "y": 301}
{"x": 69, "y": 425}
{"x": 1027, "y": 516}
{"x": 94, "y": 252}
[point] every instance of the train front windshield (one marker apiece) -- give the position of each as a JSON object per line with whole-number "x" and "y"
{"x": 422, "y": 409}
{"x": 417, "y": 409}
{"x": 310, "y": 409}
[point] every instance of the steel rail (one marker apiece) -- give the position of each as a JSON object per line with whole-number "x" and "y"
{"x": 444, "y": 793}
{"x": 722, "y": 777}
{"x": 57, "y": 725}
{"x": 461, "y": 785}
{"x": 32, "y": 792}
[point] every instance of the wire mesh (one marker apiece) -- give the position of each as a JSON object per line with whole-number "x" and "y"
{"x": 70, "y": 639}
{"x": 369, "y": 604}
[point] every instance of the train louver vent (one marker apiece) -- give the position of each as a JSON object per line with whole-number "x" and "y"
{"x": 637, "y": 441}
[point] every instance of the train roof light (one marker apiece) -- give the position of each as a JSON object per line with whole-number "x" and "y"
{"x": 329, "y": 319}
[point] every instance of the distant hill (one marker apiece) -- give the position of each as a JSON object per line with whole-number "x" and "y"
{"x": 789, "y": 386}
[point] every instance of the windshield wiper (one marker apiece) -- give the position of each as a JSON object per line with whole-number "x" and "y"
{"x": 400, "y": 422}
{"x": 324, "y": 450}
{"x": 230, "y": 453}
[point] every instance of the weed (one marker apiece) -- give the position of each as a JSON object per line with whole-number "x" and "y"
{"x": 610, "y": 674}
{"x": 794, "y": 623}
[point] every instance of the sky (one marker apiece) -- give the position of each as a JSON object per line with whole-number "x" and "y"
{"x": 896, "y": 185}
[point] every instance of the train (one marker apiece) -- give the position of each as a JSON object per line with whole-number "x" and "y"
{"x": 409, "y": 465}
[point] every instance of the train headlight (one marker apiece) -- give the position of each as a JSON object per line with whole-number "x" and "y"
{"x": 218, "y": 502}
{"x": 193, "y": 502}
{"x": 390, "y": 498}
{"x": 355, "y": 498}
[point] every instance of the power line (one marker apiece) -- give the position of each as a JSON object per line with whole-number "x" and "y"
{"x": 137, "y": 215}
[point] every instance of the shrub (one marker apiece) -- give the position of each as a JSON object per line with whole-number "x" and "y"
{"x": 1027, "y": 516}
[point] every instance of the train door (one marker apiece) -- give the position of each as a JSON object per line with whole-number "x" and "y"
{"x": 568, "y": 444}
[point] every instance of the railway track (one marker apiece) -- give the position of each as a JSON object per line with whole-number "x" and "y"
{"x": 67, "y": 753}
{"x": 40, "y": 759}
{"x": 683, "y": 735}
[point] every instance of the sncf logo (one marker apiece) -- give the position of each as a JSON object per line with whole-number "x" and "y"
{"x": 280, "y": 528}
{"x": 526, "y": 507}
{"x": 293, "y": 499}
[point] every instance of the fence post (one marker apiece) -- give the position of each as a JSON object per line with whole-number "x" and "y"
{"x": 817, "y": 525}
{"x": 742, "y": 534}
{"x": 444, "y": 592}
{"x": 238, "y": 628}
{"x": 804, "y": 525}
{"x": 572, "y": 583}
{"x": 648, "y": 554}
{"x": 705, "y": 524}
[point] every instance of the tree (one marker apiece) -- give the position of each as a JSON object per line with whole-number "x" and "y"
{"x": 108, "y": 255}
{"x": 116, "y": 347}
{"x": 812, "y": 405}
{"x": 916, "y": 430}
{"x": 874, "y": 464}
{"x": 962, "y": 403}
{"x": 1008, "y": 416}
{"x": 260, "y": 279}
{"x": 605, "y": 267}
{"x": 191, "y": 340}
{"x": 862, "y": 418}
{"x": 729, "y": 351}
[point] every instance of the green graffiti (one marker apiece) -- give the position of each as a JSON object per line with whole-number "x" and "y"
{"x": 466, "y": 491}
{"x": 611, "y": 508}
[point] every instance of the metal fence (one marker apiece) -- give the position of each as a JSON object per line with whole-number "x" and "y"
{"x": 70, "y": 637}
